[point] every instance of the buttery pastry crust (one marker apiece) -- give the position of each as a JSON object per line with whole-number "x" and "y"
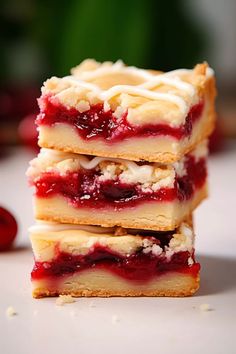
{"x": 171, "y": 285}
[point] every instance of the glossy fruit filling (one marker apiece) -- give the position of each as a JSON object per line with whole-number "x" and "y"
{"x": 84, "y": 189}
{"x": 96, "y": 123}
{"x": 135, "y": 267}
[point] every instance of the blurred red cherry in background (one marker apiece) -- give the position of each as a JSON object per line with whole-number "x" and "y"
{"x": 17, "y": 102}
{"x": 27, "y": 131}
{"x": 18, "y": 111}
{"x": 8, "y": 229}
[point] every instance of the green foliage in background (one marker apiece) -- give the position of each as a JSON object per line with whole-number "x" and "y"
{"x": 50, "y": 37}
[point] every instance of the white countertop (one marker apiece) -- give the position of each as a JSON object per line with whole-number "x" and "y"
{"x": 125, "y": 325}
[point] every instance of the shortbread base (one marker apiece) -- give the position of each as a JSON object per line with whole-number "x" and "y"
{"x": 97, "y": 283}
{"x": 160, "y": 216}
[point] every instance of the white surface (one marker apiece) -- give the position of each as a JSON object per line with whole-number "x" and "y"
{"x": 122, "y": 325}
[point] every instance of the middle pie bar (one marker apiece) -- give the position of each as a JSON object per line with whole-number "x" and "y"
{"x": 79, "y": 189}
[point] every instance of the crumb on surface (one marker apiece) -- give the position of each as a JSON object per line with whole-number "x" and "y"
{"x": 205, "y": 307}
{"x": 10, "y": 311}
{"x": 64, "y": 299}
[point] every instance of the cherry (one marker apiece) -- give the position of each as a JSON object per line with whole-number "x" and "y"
{"x": 8, "y": 229}
{"x": 18, "y": 101}
{"x": 118, "y": 191}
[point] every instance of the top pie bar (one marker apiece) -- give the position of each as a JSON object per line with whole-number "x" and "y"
{"x": 112, "y": 110}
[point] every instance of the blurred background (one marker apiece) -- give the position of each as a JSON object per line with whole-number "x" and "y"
{"x": 40, "y": 38}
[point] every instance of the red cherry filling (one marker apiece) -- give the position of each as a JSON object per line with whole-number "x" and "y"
{"x": 136, "y": 267}
{"x": 8, "y": 229}
{"x": 83, "y": 188}
{"x": 117, "y": 191}
{"x": 96, "y": 123}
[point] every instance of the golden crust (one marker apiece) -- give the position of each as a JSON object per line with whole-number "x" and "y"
{"x": 131, "y": 224}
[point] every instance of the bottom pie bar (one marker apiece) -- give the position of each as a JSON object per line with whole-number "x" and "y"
{"x": 94, "y": 261}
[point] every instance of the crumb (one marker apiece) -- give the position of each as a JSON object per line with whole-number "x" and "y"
{"x": 205, "y": 307}
{"x": 64, "y": 299}
{"x": 190, "y": 261}
{"x": 114, "y": 319}
{"x": 83, "y": 106}
{"x": 10, "y": 311}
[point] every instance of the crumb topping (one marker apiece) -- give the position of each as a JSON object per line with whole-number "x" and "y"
{"x": 148, "y": 176}
{"x": 148, "y": 96}
{"x": 119, "y": 240}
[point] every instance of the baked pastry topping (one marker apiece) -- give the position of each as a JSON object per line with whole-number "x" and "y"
{"x": 135, "y": 257}
{"x": 111, "y": 104}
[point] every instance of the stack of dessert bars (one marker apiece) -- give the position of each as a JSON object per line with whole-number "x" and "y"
{"x": 121, "y": 169}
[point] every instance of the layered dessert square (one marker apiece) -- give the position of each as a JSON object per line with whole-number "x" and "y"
{"x": 111, "y": 110}
{"x": 79, "y": 189}
{"x": 93, "y": 261}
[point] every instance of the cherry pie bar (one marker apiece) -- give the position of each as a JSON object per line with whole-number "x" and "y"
{"x": 93, "y": 261}
{"x": 78, "y": 189}
{"x": 122, "y": 167}
{"x": 112, "y": 110}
